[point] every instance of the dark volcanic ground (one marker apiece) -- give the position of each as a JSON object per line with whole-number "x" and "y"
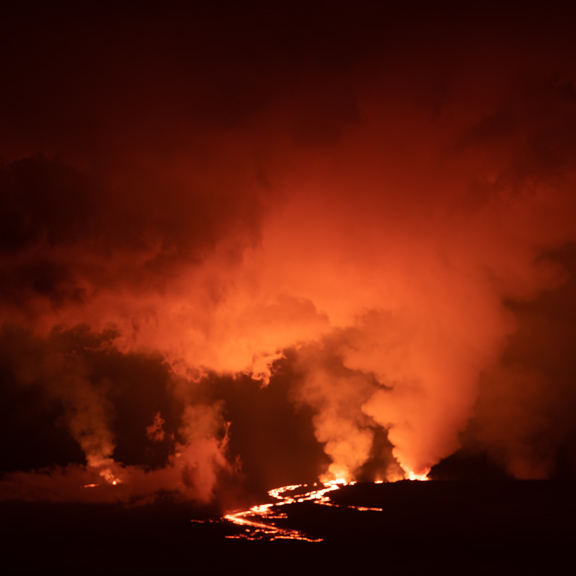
{"x": 436, "y": 526}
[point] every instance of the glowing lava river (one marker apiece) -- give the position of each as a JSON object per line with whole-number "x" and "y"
{"x": 259, "y": 521}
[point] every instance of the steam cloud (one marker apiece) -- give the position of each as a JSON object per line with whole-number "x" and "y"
{"x": 375, "y": 222}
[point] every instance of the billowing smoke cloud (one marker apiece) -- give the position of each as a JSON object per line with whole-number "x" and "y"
{"x": 376, "y": 210}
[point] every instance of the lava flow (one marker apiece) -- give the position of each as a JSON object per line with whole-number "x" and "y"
{"x": 258, "y": 522}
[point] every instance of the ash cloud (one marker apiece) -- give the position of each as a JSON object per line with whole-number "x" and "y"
{"x": 369, "y": 216}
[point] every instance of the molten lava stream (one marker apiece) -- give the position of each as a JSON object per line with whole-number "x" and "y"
{"x": 258, "y": 521}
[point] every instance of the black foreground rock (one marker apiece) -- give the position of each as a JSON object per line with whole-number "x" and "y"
{"x": 430, "y": 527}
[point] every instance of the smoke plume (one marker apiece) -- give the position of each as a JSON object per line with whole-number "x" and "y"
{"x": 367, "y": 216}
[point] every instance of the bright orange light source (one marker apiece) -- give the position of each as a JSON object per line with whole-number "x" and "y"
{"x": 413, "y": 476}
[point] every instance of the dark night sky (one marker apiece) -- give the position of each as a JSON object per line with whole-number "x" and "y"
{"x": 306, "y": 239}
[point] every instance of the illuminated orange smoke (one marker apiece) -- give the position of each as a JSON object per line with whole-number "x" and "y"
{"x": 374, "y": 218}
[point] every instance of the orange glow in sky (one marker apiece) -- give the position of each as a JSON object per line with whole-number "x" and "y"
{"x": 236, "y": 261}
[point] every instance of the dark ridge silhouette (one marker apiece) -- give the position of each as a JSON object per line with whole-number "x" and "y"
{"x": 465, "y": 527}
